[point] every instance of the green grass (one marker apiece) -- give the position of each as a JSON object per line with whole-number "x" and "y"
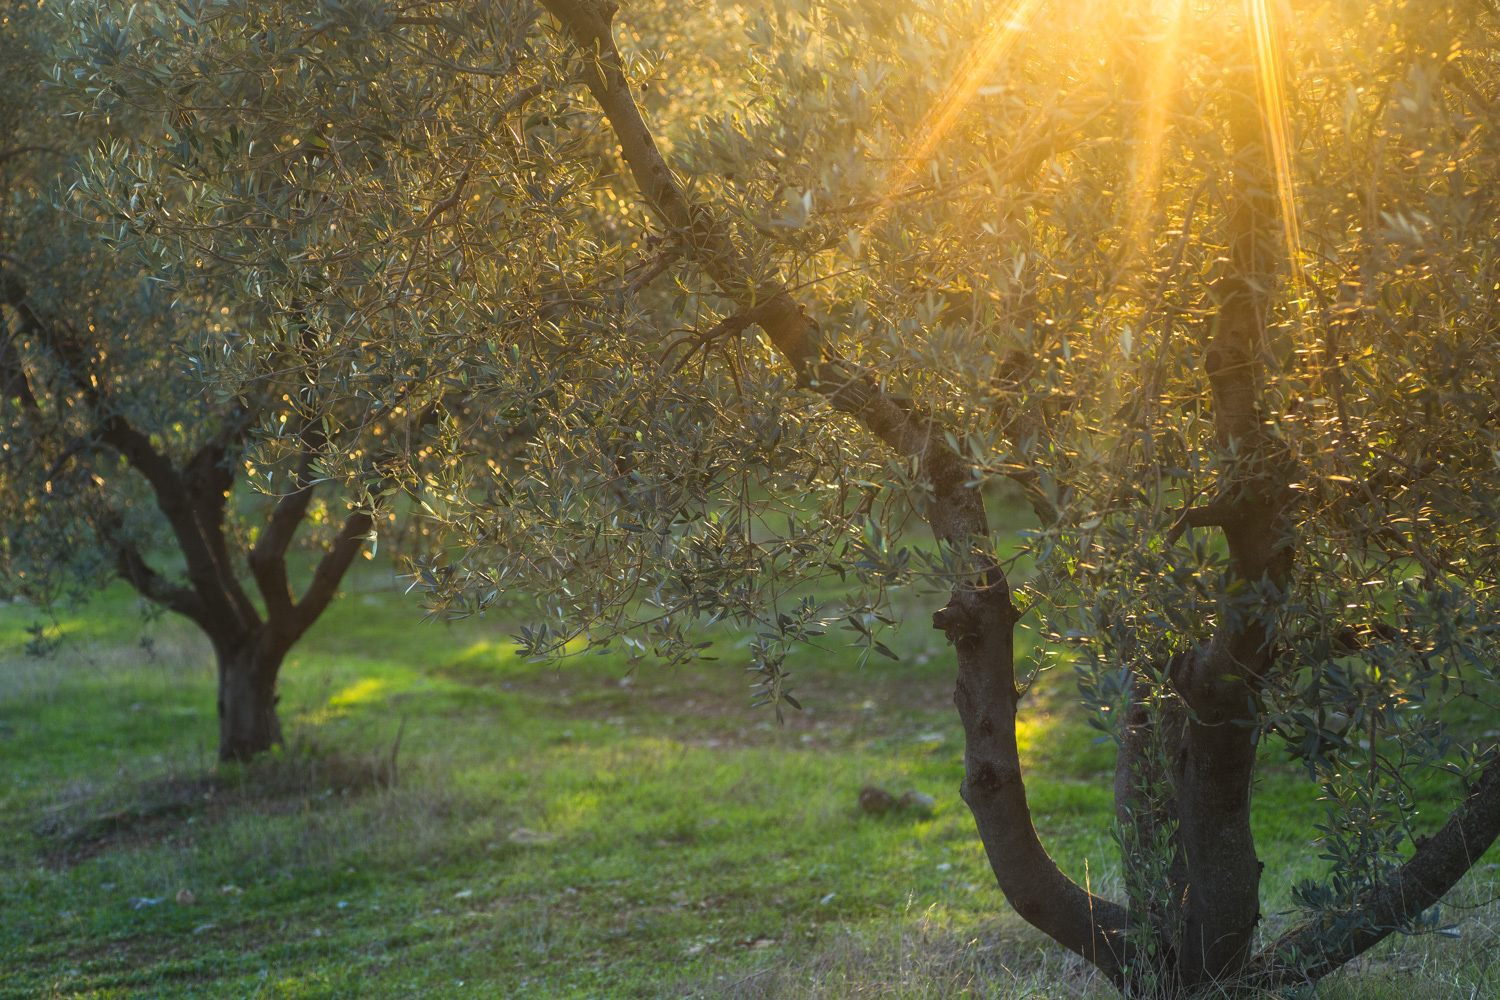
{"x": 582, "y": 832}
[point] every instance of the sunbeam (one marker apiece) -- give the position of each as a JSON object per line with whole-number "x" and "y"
{"x": 975, "y": 68}
{"x": 1162, "y": 75}
{"x": 1273, "y": 117}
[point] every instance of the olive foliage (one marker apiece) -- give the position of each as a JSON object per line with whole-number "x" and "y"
{"x": 119, "y": 460}
{"x": 698, "y": 303}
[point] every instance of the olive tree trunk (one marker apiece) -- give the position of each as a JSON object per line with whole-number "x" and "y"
{"x": 248, "y": 723}
{"x": 1206, "y": 941}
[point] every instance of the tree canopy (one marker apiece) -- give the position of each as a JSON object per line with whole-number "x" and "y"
{"x": 120, "y": 460}
{"x": 665, "y": 312}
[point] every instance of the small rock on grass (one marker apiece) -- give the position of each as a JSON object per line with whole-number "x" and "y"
{"x": 876, "y": 801}
{"x": 918, "y": 802}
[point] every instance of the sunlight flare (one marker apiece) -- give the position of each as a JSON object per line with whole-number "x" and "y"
{"x": 1268, "y": 72}
{"x": 973, "y": 70}
{"x": 1162, "y": 74}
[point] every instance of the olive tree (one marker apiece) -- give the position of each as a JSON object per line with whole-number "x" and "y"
{"x": 360, "y": 192}
{"x": 1215, "y": 295}
{"x": 118, "y": 461}
{"x": 1239, "y": 364}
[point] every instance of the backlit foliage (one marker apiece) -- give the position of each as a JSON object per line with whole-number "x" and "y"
{"x": 1011, "y": 214}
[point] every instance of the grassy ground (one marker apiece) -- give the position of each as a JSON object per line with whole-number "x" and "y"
{"x": 536, "y": 833}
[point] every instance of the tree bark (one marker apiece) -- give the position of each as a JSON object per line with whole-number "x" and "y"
{"x": 980, "y": 623}
{"x": 248, "y": 722}
{"x": 980, "y": 618}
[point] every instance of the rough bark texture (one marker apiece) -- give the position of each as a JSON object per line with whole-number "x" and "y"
{"x": 248, "y": 723}
{"x": 1202, "y": 749}
{"x": 980, "y": 623}
{"x": 980, "y": 616}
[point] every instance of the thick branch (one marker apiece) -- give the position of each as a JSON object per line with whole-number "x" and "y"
{"x": 70, "y": 350}
{"x": 208, "y": 479}
{"x": 268, "y": 558}
{"x": 13, "y": 381}
{"x": 1214, "y": 515}
{"x": 332, "y": 567}
{"x": 192, "y": 500}
{"x": 14, "y": 151}
{"x": 202, "y": 544}
{"x": 134, "y": 570}
{"x": 957, "y": 514}
{"x": 980, "y": 621}
{"x": 980, "y": 624}
{"x": 1315, "y": 949}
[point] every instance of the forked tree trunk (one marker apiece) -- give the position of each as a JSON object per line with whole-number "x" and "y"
{"x": 1209, "y": 735}
{"x": 192, "y": 496}
{"x": 248, "y": 723}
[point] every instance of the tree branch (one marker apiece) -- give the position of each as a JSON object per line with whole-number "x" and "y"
{"x": 980, "y": 624}
{"x": 192, "y": 500}
{"x": 134, "y": 570}
{"x": 980, "y": 618}
{"x": 63, "y": 340}
{"x": 958, "y": 513}
{"x": 655, "y": 269}
{"x": 14, "y": 151}
{"x": 1219, "y": 514}
{"x": 1316, "y": 948}
{"x": 332, "y": 567}
{"x": 13, "y": 381}
{"x": 268, "y": 558}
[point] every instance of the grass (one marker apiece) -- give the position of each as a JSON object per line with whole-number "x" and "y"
{"x": 450, "y": 821}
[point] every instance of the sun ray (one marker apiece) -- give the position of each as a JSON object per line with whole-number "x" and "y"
{"x": 977, "y": 65}
{"x": 1273, "y": 117}
{"x": 1162, "y": 75}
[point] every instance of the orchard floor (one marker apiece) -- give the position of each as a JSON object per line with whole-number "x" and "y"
{"x": 544, "y": 831}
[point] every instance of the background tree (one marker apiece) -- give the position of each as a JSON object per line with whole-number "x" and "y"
{"x": 353, "y": 187}
{"x": 1214, "y": 297}
{"x": 117, "y": 461}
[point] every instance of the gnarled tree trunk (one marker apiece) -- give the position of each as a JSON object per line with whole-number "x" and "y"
{"x": 248, "y": 668}
{"x": 1202, "y": 941}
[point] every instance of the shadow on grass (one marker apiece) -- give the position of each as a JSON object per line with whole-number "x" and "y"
{"x": 90, "y": 818}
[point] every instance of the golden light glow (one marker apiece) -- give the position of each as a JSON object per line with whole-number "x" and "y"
{"x": 1273, "y": 118}
{"x": 359, "y": 693}
{"x": 1162, "y": 78}
{"x": 976, "y": 67}
{"x": 1162, "y": 74}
